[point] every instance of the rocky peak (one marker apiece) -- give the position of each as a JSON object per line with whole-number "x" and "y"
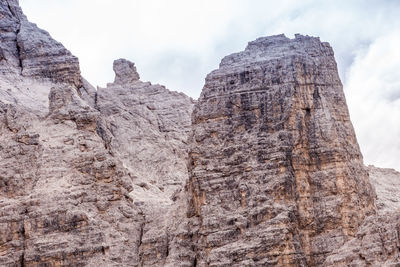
{"x": 275, "y": 169}
{"x": 125, "y": 72}
{"x": 31, "y": 52}
{"x": 275, "y": 47}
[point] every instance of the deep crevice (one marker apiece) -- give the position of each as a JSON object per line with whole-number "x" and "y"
{"x": 16, "y": 37}
{"x": 22, "y": 261}
{"x": 167, "y": 252}
{"x": 19, "y": 48}
{"x": 141, "y": 233}
{"x": 95, "y": 101}
{"x": 23, "y": 234}
{"x": 11, "y": 11}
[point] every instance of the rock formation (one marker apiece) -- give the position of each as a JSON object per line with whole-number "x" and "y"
{"x": 264, "y": 169}
{"x": 377, "y": 242}
{"x": 147, "y": 128}
{"x": 387, "y": 186}
{"x": 65, "y": 197}
{"x": 276, "y": 172}
{"x": 26, "y": 49}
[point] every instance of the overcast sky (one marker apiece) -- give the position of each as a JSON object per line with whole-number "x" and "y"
{"x": 177, "y": 42}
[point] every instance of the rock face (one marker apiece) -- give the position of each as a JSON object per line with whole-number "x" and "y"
{"x": 377, "y": 242}
{"x": 26, "y": 49}
{"x": 276, "y": 172}
{"x": 147, "y": 128}
{"x": 125, "y": 72}
{"x": 387, "y": 186}
{"x": 263, "y": 170}
{"x": 64, "y": 199}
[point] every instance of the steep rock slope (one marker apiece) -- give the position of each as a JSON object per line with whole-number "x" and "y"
{"x": 377, "y": 243}
{"x": 387, "y": 186}
{"x": 30, "y": 51}
{"x": 147, "y": 127}
{"x": 64, "y": 199}
{"x": 31, "y": 61}
{"x": 87, "y": 178}
{"x": 276, "y": 173}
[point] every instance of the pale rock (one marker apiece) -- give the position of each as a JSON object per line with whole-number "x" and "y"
{"x": 125, "y": 72}
{"x": 377, "y": 242}
{"x": 387, "y": 186}
{"x": 148, "y": 127}
{"x": 30, "y": 51}
{"x": 266, "y": 171}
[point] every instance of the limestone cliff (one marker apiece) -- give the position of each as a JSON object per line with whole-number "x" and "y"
{"x": 66, "y": 198}
{"x": 377, "y": 242}
{"x": 264, "y": 169}
{"x": 276, "y": 172}
{"x": 26, "y": 49}
{"x": 147, "y": 128}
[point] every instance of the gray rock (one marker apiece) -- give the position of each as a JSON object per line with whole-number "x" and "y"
{"x": 387, "y": 186}
{"x": 376, "y": 244}
{"x": 125, "y": 72}
{"x": 31, "y": 51}
{"x": 265, "y": 171}
{"x": 148, "y": 127}
{"x": 276, "y": 174}
{"x": 377, "y": 241}
{"x": 64, "y": 199}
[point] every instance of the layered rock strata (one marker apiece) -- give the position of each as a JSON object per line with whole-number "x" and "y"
{"x": 64, "y": 198}
{"x": 377, "y": 242}
{"x": 275, "y": 169}
{"x": 387, "y": 185}
{"x": 30, "y": 51}
{"x": 147, "y": 127}
{"x": 266, "y": 171}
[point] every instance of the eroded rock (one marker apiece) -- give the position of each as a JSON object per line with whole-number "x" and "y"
{"x": 31, "y": 51}
{"x": 266, "y": 171}
{"x": 276, "y": 173}
{"x": 148, "y": 128}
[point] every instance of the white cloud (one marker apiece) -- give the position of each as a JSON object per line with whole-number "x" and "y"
{"x": 373, "y": 95}
{"x": 177, "y": 42}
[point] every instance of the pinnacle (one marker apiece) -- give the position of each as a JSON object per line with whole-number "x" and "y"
{"x": 125, "y": 71}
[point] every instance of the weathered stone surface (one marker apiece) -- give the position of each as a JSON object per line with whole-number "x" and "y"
{"x": 266, "y": 171}
{"x": 148, "y": 128}
{"x": 387, "y": 186}
{"x": 125, "y": 72}
{"x": 276, "y": 172}
{"x": 377, "y": 243}
{"x": 31, "y": 51}
{"x": 64, "y": 199}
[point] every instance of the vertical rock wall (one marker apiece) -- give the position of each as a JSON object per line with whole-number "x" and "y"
{"x": 276, "y": 172}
